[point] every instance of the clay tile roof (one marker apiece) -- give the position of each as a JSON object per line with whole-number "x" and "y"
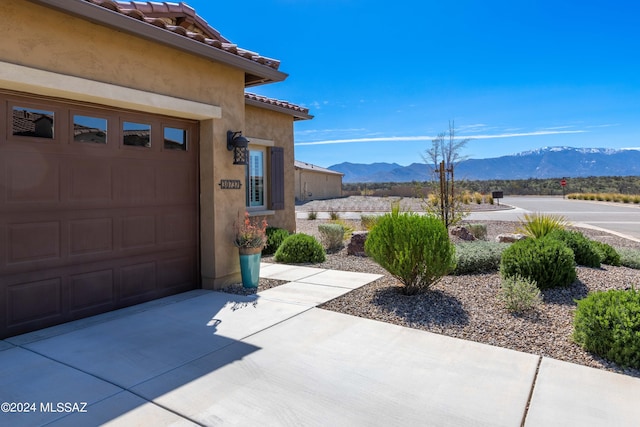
{"x": 181, "y": 19}
{"x": 297, "y": 111}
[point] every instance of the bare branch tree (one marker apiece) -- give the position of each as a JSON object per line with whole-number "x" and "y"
{"x": 445, "y": 153}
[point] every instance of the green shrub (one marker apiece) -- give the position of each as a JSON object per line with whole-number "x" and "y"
{"x": 275, "y": 237}
{"x": 346, "y": 227}
{"x": 584, "y": 252}
{"x": 331, "y": 236}
{"x": 413, "y": 248}
{"x": 519, "y": 293}
{"x": 300, "y": 248}
{"x": 478, "y": 257}
{"x": 369, "y": 221}
{"x": 629, "y": 257}
{"x": 334, "y": 214}
{"x": 608, "y": 324}
{"x": 548, "y": 262}
{"x": 312, "y": 215}
{"x": 539, "y": 225}
{"x": 479, "y": 231}
{"x": 608, "y": 254}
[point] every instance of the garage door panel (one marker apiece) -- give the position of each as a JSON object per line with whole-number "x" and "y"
{"x": 33, "y": 301}
{"x": 33, "y": 177}
{"x": 90, "y": 180}
{"x": 135, "y": 183}
{"x": 176, "y": 272}
{"x": 178, "y": 227}
{"x": 138, "y": 231}
{"x": 34, "y": 241}
{"x": 138, "y": 279}
{"x": 90, "y": 236}
{"x": 175, "y": 185}
{"x": 91, "y": 291}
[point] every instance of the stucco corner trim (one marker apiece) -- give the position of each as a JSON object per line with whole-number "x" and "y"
{"x": 26, "y": 79}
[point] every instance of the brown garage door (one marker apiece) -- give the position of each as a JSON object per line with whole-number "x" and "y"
{"x": 98, "y": 210}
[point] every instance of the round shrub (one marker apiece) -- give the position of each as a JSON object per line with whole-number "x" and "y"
{"x": 519, "y": 294}
{"x": 300, "y": 248}
{"x": 478, "y": 257}
{"x": 608, "y": 324}
{"x": 479, "y": 231}
{"x": 630, "y": 257}
{"x": 275, "y": 237}
{"x": 413, "y": 248}
{"x": 608, "y": 254}
{"x": 331, "y": 236}
{"x": 548, "y": 262}
{"x": 584, "y": 252}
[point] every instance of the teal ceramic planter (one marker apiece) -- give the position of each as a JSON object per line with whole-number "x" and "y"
{"x": 250, "y": 270}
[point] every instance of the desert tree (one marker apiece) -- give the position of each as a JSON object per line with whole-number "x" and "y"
{"x": 444, "y": 154}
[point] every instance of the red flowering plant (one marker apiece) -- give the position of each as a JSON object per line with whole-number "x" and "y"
{"x": 250, "y": 232}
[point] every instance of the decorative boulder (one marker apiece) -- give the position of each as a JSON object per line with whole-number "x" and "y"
{"x": 462, "y": 233}
{"x": 509, "y": 237}
{"x": 356, "y": 244}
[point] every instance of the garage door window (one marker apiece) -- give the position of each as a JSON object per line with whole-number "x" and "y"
{"x": 89, "y": 129}
{"x": 175, "y": 139}
{"x": 32, "y": 122}
{"x": 136, "y": 134}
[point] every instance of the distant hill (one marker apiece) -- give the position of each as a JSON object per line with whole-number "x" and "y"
{"x": 548, "y": 162}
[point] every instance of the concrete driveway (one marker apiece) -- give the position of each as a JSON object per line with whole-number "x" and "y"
{"x": 273, "y": 359}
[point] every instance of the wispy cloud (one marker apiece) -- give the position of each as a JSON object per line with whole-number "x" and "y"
{"x": 431, "y": 137}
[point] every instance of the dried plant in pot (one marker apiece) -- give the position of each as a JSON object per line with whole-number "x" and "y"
{"x": 250, "y": 238}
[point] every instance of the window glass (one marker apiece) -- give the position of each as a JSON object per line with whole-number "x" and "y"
{"x": 32, "y": 122}
{"x": 175, "y": 139}
{"x": 89, "y": 129}
{"x": 255, "y": 178}
{"x": 136, "y": 134}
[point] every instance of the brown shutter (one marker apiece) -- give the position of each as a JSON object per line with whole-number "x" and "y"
{"x": 276, "y": 201}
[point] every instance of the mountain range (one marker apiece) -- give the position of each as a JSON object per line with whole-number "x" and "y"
{"x": 547, "y": 162}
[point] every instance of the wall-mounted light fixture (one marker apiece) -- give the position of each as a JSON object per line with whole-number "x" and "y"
{"x": 240, "y": 147}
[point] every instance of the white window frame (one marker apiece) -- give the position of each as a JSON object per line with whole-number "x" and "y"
{"x": 261, "y": 145}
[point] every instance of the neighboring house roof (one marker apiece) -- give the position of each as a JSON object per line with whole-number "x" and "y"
{"x": 308, "y": 166}
{"x": 176, "y": 25}
{"x": 24, "y": 122}
{"x": 298, "y": 113}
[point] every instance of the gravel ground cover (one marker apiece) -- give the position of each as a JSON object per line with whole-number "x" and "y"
{"x": 467, "y": 306}
{"x": 378, "y": 204}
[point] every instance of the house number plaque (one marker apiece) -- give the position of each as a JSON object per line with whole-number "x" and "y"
{"x": 230, "y": 184}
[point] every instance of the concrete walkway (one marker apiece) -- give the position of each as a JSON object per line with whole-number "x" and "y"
{"x": 274, "y": 359}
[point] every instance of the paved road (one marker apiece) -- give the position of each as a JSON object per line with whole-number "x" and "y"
{"x": 616, "y": 217}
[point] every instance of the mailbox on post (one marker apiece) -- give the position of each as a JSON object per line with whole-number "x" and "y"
{"x": 497, "y": 195}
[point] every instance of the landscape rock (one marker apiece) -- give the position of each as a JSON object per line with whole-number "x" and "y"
{"x": 356, "y": 244}
{"x": 462, "y": 233}
{"x": 510, "y": 237}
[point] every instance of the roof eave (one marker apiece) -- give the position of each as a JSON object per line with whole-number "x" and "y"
{"x": 255, "y": 73}
{"x": 297, "y": 115}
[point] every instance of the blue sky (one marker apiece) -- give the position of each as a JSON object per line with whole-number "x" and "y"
{"x": 383, "y": 78}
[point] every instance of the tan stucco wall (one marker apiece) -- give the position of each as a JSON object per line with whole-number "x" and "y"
{"x": 41, "y": 38}
{"x": 320, "y": 185}
{"x": 276, "y": 127}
